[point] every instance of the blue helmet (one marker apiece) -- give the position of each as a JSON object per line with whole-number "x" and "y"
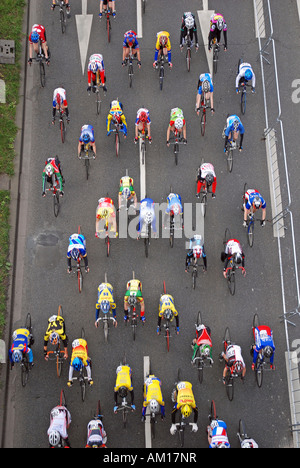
{"x": 85, "y": 138}
{"x": 248, "y": 74}
{"x": 77, "y": 364}
{"x": 35, "y": 37}
{"x": 17, "y": 355}
{"x": 105, "y": 306}
{"x": 75, "y": 254}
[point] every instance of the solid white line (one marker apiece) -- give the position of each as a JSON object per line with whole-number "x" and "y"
{"x": 148, "y": 442}
{"x": 139, "y": 21}
{"x": 84, "y": 7}
{"x": 298, "y": 7}
{"x": 260, "y": 30}
{"x": 142, "y": 173}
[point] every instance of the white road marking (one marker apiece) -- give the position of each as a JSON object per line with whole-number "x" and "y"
{"x": 260, "y": 30}
{"x": 148, "y": 441}
{"x": 204, "y": 19}
{"x": 298, "y": 7}
{"x": 84, "y": 26}
{"x": 139, "y": 21}
{"x": 142, "y": 173}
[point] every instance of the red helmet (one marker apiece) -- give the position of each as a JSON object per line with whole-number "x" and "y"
{"x": 143, "y": 116}
{"x": 163, "y": 40}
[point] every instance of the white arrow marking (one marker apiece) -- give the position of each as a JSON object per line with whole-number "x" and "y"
{"x": 84, "y": 26}
{"x": 204, "y": 19}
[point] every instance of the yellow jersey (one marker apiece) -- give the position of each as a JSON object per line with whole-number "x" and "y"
{"x": 167, "y": 302}
{"x": 123, "y": 378}
{"x": 80, "y": 350}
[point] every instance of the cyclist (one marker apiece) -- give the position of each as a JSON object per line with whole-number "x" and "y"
{"x": 177, "y": 124}
{"x": 52, "y": 167}
{"x": 116, "y": 115}
{"x": 123, "y": 385}
{"x": 106, "y": 301}
{"x": 264, "y": 345}
{"x": 202, "y": 342}
{"x": 153, "y": 397}
{"x": 252, "y": 202}
{"x": 80, "y": 359}
{"x": 38, "y": 33}
{"x": 196, "y": 251}
{"x": 130, "y": 42}
{"x": 87, "y": 137}
{"x": 232, "y": 129}
{"x": 188, "y": 23}
{"x": 111, "y": 7}
{"x": 147, "y": 215}
{"x": 106, "y": 211}
{"x": 245, "y": 74}
{"x": 96, "y": 73}
{"x": 174, "y": 208}
{"x": 233, "y": 250}
{"x": 234, "y": 361}
{"x": 60, "y": 420}
{"x": 206, "y": 176}
{"x": 217, "y": 434}
{"x": 60, "y": 102}
{"x": 205, "y": 89}
{"x": 66, "y": 2}
{"x": 77, "y": 250}
{"x": 126, "y": 190}
{"x": 22, "y": 343}
{"x": 162, "y": 46}
{"x": 216, "y": 26}
{"x": 56, "y": 332}
{"x": 143, "y": 122}
{"x": 184, "y": 400}
{"x": 167, "y": 306}
{"x": 134, "y": 294}
{"x": 96, "y": 435}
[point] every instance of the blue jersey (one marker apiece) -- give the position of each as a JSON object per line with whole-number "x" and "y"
{"x": 219, "y": 434}
{"x": 230, "y": 125}
{"x": 263, "y": 337}
{"x": 206, "y": 77}
{"x": 147, "y": 210}
{"x": 77, "y": 241}
{"x": 90, "y": 131}
{"x": 250, "y": 197}
{"x": 173, "y": 200}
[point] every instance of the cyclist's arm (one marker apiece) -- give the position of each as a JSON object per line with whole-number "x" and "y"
{"x": 225, "y": 39}
{"x": 44, "y": 182}
{"x": 59, "y": 178}
{"x": 108, "y": 121}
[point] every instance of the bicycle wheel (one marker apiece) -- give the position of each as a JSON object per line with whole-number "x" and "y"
{"x": 143, "y": 151}
{"x": 98, "y": 102}
{"x": 133, "y": 326}
{"x": 231, "y": 281}
{"x": 215, "y": 59}
{"x": 79, "y": 279}
{"x": 194, "y": 276}
{"x": 62, "y": 21}
{"x": 87, "y": 167}
{"x": 144, "y": 6}
{"x": 59, "y": 361}
{"x": 56, "y": 204}
{"x": 24, "y": 370}
{"x": 161, "y": 77}
{"x": 255, "y": 321}
{"x": 203, "y": 122}
{"x": 213, "y": 414}
{"x": 176, "y": 151}
{"x": 242, "y": 430}
{"x": 243, "y": 101}
{"x": 258, "y": 369}
{"x": 181, "y": 434}
{"x": 250, "y": 233}
{"x": 152, "y": 425}
{"x": 62, "y": 130}
{"x": 108, "y": 27}
{"x": 107, "y": 242}
{"x": 203, "y": 203}
{"x": 82, "y": 387}
{"x": 62, "y": 398}
{"x": 146, "y": 243}
{"x": 130, "y": 74}
{"x": 117, "y": 144}
{"x": 28, "y": 324}
{"x": 172, "y": 231}
{"x": 229, "y": 385}
{"x": 229, "y": 154}
{"x": 105, "y": 330}
{"x": 188, "y": 59}
{"x": 42, "y": 74}
{"x": 168, "y": 336}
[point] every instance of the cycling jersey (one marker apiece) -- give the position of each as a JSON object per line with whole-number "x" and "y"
{"x": 205, "y": 77}
{"x": 147, "y": 211}
{"x": 98, "y": 59}
{"x": 107, "y": 204}
{"x": 90, "y": 131}
{"x": 80, "y": 350}
{"x": 123, "y": 378}
{"x": 234, "y": 354}
{"x": 116, "y": 111}
{"x": 152, "y": 391}
{"x": 126, "y": 182}
{"x": 56, "y": 324}
{"x": 63, "y": 97}
{"x": 174, "y": 200}
{"x": 134, "y": 288}
{"x": 243, "y": 67}
{"x": 96, "y": 435}
{"x": 203, "y": 336}
{"x": 56, "y": 170}
{"x": 167, "y": 302}
{"x": 176, "y": 113}
{"x": 233, "y": 247}
{"x": 105, "y": 293}
{"x": 250, "y": 196}
{"x": 188, "y": 18}
{"x": 77, "y": 241}
{"x": 218, "y": 432}
{"x": 41, "y": 32}
{"x": 184, "y": 397}
{"x": 159, "y": 47}
{"x": 230, "y": 125}
{"x": 203, "y": 171}
{"x": 21, "y": 342}
{"x": 60, "y": 419}
{"x": 263, "y": 336}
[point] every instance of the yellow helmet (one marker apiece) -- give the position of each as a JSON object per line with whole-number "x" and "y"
{"x": 186, "y": 411}
{"x": 103, "y": 212}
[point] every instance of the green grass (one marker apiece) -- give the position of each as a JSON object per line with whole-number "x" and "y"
{"x": 11, "y": 21}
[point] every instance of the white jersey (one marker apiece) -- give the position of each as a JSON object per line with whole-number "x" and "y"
{"x": 234, "y": 352}
{"x": 96, "y": 433}
{"x": 96, "y": 58}
{"x": 232, "y": 247}
{"x": 61, "y": 92}
{"x": 207, "y": 168}
{"x": 242, "y": 70}
{"x": 60, "y": 419}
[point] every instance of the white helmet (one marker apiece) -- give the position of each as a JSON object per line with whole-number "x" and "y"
{"x": 178, "y": 123}
{"x": 149, "y": 217}
{"x": 189, "y": 22}
{"x": 154, "y": 406}
{"x": 49, "y": 170}
{"x": 94, "y": 67}
{"x": 54, "y": 438}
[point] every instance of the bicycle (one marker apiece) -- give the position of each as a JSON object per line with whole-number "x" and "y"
{"x": 105, "y": 320}
{"x": 195, "y": 265}
{"x": 132, "y": 313}
{"x": 168, "y": 317}
{"x": 230, "y": 147}
{"x": 78, "y": 271}
{"x": 202, "y": 110}
{"x": 62, "y": 15}
{"x": 107, "y": 13}
{"x": 251, "y": 220}
{"x": 146, "y": 237}
{"x": 82, "y": 378}
{"x": 87, "y": 154}
{"x": 177, "y": 140}
{"x": 129, "y": 61}
{"x": 40, "y": 58}
{"x": 98, "y": 101}
{"x": 142, "y": 135}
{"x": 116, "y": 130}
{"x": 231, "y": 266}
{"x": 260, "y": 365}
{"x": 180, "y": 427}
{"x": 25, "y": 365}
{"x": 216, "y": 50}
{"x": 57, "y": 354}
{"x": 124, "y": 407}
{"x": 62, "y": 402}
{"x": 161, "y": 67}
{"x": 231, "y": 374}
{"x": 244, "y": 86}
{"x": 188, "y": 55}
{"x": 202, "y": 195}
{"x": 55, "y": 190}
{"x": 200, "y": 361}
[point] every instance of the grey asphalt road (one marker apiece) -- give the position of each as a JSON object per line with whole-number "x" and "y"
{"x": 46, "y": 283}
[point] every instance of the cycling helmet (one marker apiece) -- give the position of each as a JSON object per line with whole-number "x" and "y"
{"x": 257, "y": 202}
{"x": 205, "y": 86}
{"x": 94, "y": 67}
{"x": 117, "y": 117}
{"x": 247, "y": 445}
{"x": 268, "y": 351}
{"x": 86, "y": 138}
{"x": 132, "y": 300}
{"x": 222, "y": 445}
{"x": 105, "y": 306}
{"x": 186, "y": 411}
{"x": 148, "y": 217}
{"x": 17, "y": 356}
{"x": 35, "y": 37}
{"x": 54, "y": 338}
{"x": 236, "y": 124}
{"x": 209, "y": 178}
{"x": 77, "y": 364}
{"x": 75, "y": 254}
{"x": 205, "y": 350}
{"x": 178, "y": 123}
{"x": 248, "y": 74}
{"x": 238, "y": 258}
{"x": 126, "y": 192}
{"x": 238, "y": 367}
{"x": 143, "y": 116}
{"x": 130, "y": 38}
{"x": 49, "y": 170}
{"x": 168, "y": 314}
{"x": 154, "y": 406}
{"x": 54, "y": 438}
{"x": 176, "y": 209}
{"x": 123, "y": 392}
{"x": 220, "y": 24}
{"x": 189, "y": 22}
{"x": 163, "y": 41}
{"x": 197, "y": 251}
{"x": 103, "y": 212}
